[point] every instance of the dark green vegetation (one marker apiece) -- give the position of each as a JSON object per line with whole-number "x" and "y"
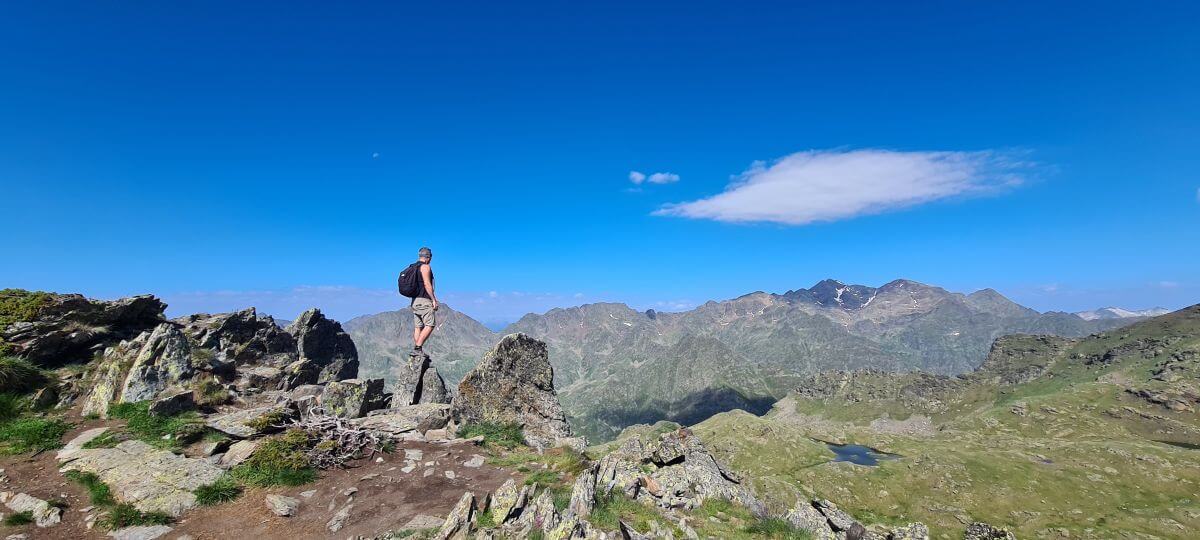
{"x": 182, "y": 428}
{"x": 225, "y": 489}
{"x": 117, "y": 515}
{"x": 21, "y": 428}
{"x": 507, "y": 436}
{"x": 31, "y": 434}
{"x": 18, "y": 376}
{"x": 1048, "y": 434}
{"x": 279, "y": 460}
{"x": 17, "y": 519}
{"x": 18, "y": 305}
{"x": 613, "y": 507}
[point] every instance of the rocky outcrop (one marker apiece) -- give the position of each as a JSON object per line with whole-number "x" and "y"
{"x": 353, "y": 398}
{"x": 326, "y": 352}
{"x": 418, "y": 381}
{"x": 674, "y": 471}
{"x": 241, "y": 337}
{"x": 72, "y": 328}
{"x": 458, "y": 524}
{"x": 44, "y": 514}
{"x": 823, "y": 520}
{"x": 514, "y": 383}
{"x": 249, "y": 423}
{"x": 163, "y": 362}
{"x": 983, "y": 531}
{"x": 413, "y": 418}
{"x": 151, "y": 480}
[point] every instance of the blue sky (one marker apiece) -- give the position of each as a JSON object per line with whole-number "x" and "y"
{"x": 230, "y": 154}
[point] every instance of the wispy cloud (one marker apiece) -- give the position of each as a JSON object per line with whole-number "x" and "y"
{"x": 638, "y": 177}
{"x": 826, "y": 185}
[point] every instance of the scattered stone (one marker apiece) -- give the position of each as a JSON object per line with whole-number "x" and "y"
{"x": 145, "y": 532}
{"x": 983, "y": 531}
{"x": 250, "y": 423}
{"x": 44, "y": 515}
{"x": 514, "y": 383}
{"x": 215, "y": 447}
{"x": 371, "y": 476}
{"x": 449, "y": 474}
{"x": 912, "y": 531}
{"x": 458, "y": 524}
{"x": 73, "y": 447}
{"x": 308, "y": 494}
{"x": 282, "y": 506}
{"x": 807, "y": 518}
{"x": 338, "y": 520}
{"x": 413, "y": 454}
{"x": 476, "y": 461}
{"x": 237, "y": 453}
{"x": 173, "y": 403}
{"x": 403, "y": 420}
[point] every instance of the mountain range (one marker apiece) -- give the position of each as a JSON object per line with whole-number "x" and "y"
{"x": 615, "y": 366}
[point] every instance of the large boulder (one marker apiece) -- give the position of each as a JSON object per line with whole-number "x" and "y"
{"x": 418, "y": 418}
{"x": 514, "y": 383}
{"x": 433, "y": 387}
{"x": 458, "y": 524}
{"x": 418, "y": 381}
{"x": 163, "y": 362}
{"x": 326, "y": 352}
{"x": 70, "y": 327}
{"x": 983, "y": 531}
{"x": 150, "y": 479}
{"x": 353, "y": 398}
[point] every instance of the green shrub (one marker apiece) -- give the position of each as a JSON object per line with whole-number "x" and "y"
{"x": 18, "y": 519}
{"x": 98, "y": 492}
{"x": 542, "y": 479}
{"x": 151, "y": 428}
{"x": 503, "y": 435}
{"x": 225, "y": 489}
{"x": 125, "y": 515}
{"x": 266, "y": 422}
{"x": 31, "y": 435}
{"x": 20, "y": 305}
{"x": 19, "y": 376}
{"x": 11, "y": 406}
{"x": 210, "y": 393}
{"x": 279, "y": 460}
{"x": 778, "y": 529}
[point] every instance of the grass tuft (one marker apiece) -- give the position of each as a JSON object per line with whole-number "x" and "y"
{"x": 280, "y": 460}
{"x": 613, "y": 507}
{"x": 225, "y": 489}
{"x": 125, "y": 515}
{"x": 31, "y": 435}
{"x": 503, "y": 435}
{"x": 98, "y": 492}
{"x": 151, "y": 428}
{"x": 19, "y": 376}
{"x": 778, "y": 529}
{"x": 19, "y": 518}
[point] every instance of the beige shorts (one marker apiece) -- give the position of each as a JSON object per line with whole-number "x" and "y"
{"x": 423, "y": 313}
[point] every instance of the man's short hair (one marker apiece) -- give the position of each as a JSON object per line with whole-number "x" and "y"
{"x": 424, "y": 253}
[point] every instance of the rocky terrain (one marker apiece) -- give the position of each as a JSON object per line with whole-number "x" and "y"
{"x": 615, "y": 366}
{"x": 227, "y": 425}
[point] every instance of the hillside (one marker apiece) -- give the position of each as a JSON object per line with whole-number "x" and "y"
{"x": 1091, "y": 437}
{"x": 616, "y": 366}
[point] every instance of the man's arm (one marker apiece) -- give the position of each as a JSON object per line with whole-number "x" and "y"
{"x": 427, "y": 277}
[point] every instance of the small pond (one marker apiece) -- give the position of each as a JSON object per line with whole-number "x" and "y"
{"x": 1179, "y": 444}
{"x": 858, "y": 454}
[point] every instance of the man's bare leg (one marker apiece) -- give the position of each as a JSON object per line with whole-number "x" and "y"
{"x": 416, "y": 336}
{"x": 422, "y": 334}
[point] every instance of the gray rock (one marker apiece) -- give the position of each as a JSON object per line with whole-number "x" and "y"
{"x": 237, "y": 453}
{"x": 326, "y": 352}
{"x": 152, "y": 480}
{"x": 352, "y": 398}
{"x": 407, "y": 390}
{"x": 807, "y": 518}
{"x": 72, "y": 448}
{"x": 912, "y": 531}
{"x": 248, "y": 423}
{"x": 338, "y": 520}
{"x": 458, "y": 524}
{"x": 583, "y": 495}
{"x": 281, "y": 505}
{"x": 424, "y": 521}
{"x": 216, "y": 447}
{"x": 983, "y": 531}
{"x": 514, "y": 383}
{"x": 239, "y": 338}
{"x": 71, "y": 327}
{"x": 164, "y": 361}
{"x": 838, "y": 519}
{"x": 44, "y": 515}
{"x": 433, "y": 387}
{"x": 145, "y": 532}
{"x": 174, "y": 402}
{"x": 424, "y": 417}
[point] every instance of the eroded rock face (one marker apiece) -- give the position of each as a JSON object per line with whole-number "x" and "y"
{"x": 240, "y": 337}
{"x": 419, "y": 382}
{"x": 353, "y": 398}
{"x": 326, "y": 352}
{"x": 514, "y": 383}
{"x": 458, "y": 524}
{"x": 983, "y": 531}
{"x": 395, "y": 422}
{"x": 70, "y": 327}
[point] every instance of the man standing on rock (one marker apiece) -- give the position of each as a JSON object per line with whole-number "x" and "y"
{"x": 416, "y": 282}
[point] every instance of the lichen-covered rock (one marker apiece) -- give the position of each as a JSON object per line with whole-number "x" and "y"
{"x": 507, "y": 501}
{"x": 164, "y": 361}
{"x": 839, "y": 520}
{"x": 237, "y": 453}
{"x": 241, "y": 337}
{"x": 807, "y": 518}
{"x": 583, "y": 495}
{"x": 110, "y": 374}
{"x": 44, "y": 515}
{"x": 326, "y": 352}
{"x": 339, "y": 519}
{"x": 983, "y": 531}
{"x": 248, "y": 423}
{"x": 539, "y": 515}
{"x": 152, "y": 480}
{"x": 420, "y": 418}
{"x": 352, "y": 398}
{"x": 407, "y": 390}
{"x": 281, "y": 505}
{"x": 433, "y": 387}
{"x": 174, "y": 402}
{"x": 514, "y": 383}
{"x": 140, "y": 532}
{"x": 69, "y": 327}
{"x": 458, "y": 524}
{"x": 912, "y": 531}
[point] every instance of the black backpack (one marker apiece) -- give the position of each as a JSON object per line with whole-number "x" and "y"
{"x": 409, "y": 282}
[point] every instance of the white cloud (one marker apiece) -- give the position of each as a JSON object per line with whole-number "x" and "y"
{"x": 1168, "y": 284}
{"x": 826, "y": 185}
{"x": 663, "y": 178}
{"x": 638, "y": 177}
{"x": 493, "y": 294}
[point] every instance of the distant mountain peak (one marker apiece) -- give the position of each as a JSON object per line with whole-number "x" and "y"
{"x": 1106, "y": 313}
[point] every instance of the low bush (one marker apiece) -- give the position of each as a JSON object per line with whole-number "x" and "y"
{"x": 20, "y": 305}
{"x": 11, "y": 406}
{"x": 503, "y": 435}
{"x": 279, "y": 460}
{"x": 18, "y": 376}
